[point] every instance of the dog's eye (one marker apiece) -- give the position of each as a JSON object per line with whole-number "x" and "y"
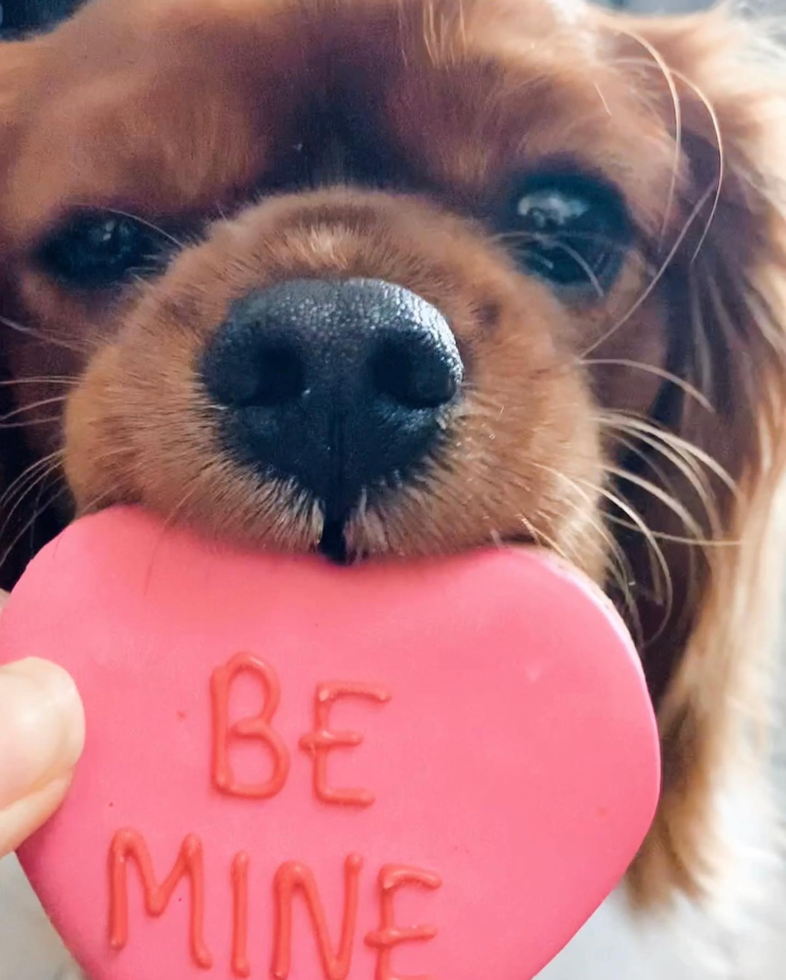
{"x": 569, "y": 230}
{"x": 99, "y": 250}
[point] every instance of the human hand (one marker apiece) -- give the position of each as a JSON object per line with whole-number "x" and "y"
{"x": 42, "y": 729}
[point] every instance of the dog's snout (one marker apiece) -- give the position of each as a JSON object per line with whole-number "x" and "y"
{"x": 339, "y": 385}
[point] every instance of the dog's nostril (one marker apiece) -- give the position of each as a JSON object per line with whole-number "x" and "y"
{"x": 252, "y": 366}
{"x": 279, "y": 375}
{"x": 416, "y": 372}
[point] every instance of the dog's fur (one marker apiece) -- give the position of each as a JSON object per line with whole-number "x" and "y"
{"x": 639, "y": 434}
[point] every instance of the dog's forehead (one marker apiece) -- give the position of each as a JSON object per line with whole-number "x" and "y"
{"x": 317, "y": 42}
{"x": 166, "y": 106}
{"x": 323, "y": 29}
{"x": 533, "y": 15}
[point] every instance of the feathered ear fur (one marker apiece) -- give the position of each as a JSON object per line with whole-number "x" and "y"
{"x": 718, "y": 469}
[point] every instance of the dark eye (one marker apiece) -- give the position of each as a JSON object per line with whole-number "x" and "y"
{"x": 98, "y": 250}
{"x": 570, "y": 230}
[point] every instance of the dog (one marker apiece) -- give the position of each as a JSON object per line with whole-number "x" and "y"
{"x": 393, "y": 278}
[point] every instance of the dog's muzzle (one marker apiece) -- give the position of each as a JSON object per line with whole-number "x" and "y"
{"x": 339, "y": 385}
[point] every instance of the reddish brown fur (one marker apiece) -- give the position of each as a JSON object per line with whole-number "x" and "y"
{"x": 182, "y": 108}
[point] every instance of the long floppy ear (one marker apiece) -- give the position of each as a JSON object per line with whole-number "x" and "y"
{"x": 726, "y": 293}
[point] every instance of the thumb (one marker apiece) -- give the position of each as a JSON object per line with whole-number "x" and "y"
{"x": 41, "y": 738}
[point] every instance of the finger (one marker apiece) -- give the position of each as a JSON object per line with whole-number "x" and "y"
{"x": 42, "y": 727}
{"x": 25, "y": 816}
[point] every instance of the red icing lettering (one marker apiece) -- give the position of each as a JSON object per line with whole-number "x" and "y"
{"x": 240, "y": 964}
{"x": 130, "y": 844}
{"x": 256, "y": 726}
{"x": 392, "y": 877}
{"x": 322, "y": 740}
{"x": 293, "y": 875}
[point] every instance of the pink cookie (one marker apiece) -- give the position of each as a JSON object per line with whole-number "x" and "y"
{"x": 300, "y": 771}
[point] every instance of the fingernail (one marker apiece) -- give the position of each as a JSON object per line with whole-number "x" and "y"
{"x": 42, "y": 727}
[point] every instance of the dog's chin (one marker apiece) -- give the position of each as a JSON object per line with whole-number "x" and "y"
{"x": 359, "y": 535}
{"x": 338, "y": 547}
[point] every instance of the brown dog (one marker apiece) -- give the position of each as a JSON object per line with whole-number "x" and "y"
{"x": 398, "y": 277}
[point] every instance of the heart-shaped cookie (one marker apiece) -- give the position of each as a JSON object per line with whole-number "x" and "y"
{"x": 300, "y": 771}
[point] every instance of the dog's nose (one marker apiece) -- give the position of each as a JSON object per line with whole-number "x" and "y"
{"x": 339, "y": 385}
